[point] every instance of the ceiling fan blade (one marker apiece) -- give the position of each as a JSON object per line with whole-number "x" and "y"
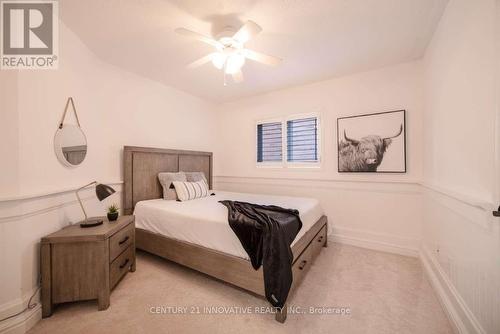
{"x": 249, "y": 30}
{"x": 262, "y": 58}
{"x": 201, "y": 61}
{"x": 198, "y": 36}
{"x": 238, "y": 76}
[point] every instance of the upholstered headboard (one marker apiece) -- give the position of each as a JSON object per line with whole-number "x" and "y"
{"x": 141, "y": 166}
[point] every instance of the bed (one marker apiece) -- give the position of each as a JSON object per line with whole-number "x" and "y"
{"x": 167, "y": 228}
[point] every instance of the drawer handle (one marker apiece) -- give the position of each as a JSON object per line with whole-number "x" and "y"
{"x": 124, "y": 264}
{"x": 124, "y": 240}
{"x": 320, "y": 239}
{"x": 302, "y": 264}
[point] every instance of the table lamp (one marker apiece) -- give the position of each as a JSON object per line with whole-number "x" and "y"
{"x": 102, "y": 191}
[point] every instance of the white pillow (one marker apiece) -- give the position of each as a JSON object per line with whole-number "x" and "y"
{"x": 190, "y": 190}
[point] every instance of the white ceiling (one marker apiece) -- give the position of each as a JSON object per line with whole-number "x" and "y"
{"x": 317, "y": 39}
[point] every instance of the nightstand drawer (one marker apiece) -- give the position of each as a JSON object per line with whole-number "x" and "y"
{"x": 120, "y": 266}
{"x": 120, "y": 241}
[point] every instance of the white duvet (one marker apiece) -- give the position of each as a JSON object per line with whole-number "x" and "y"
{"x": 203, "y": 221}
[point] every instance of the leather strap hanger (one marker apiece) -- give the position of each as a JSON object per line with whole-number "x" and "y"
{"x": 70, "y": 99}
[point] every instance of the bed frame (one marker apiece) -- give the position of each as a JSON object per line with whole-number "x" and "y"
{"x": 141, "y": 168}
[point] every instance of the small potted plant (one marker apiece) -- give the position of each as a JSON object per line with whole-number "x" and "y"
{"x": 112, "y": 213}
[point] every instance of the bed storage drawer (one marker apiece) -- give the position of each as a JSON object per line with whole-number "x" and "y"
{"x": 120, "y": 266}
{"x": 318, "y": 241}
{"x": 120, "y": 241}
{"x": 301, "y": 266}
{"x": 304, "y": 261}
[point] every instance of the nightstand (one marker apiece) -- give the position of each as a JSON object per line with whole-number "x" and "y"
{"x": 86, "y": 263}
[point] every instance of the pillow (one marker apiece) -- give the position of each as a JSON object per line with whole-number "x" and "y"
{"x": 166, "y": 180}
{"x": 195, "y": 177}
{"x": 190, "y": 190}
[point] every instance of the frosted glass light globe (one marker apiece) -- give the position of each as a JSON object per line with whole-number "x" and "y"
{"x": 234, "y": 63}
{"x": 218, "y": 59}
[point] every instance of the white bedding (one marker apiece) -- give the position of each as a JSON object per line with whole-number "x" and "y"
{"x": 203, "y": 221}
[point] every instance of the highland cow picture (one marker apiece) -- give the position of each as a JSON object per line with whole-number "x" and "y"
{"x": 372, "y": 143}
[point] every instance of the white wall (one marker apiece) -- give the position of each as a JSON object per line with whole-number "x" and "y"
{"x": 383, "y": 209}
{"x": 9, "y": 150}
{"x": 460, "y": 236}
{"x": 115, "y": 108}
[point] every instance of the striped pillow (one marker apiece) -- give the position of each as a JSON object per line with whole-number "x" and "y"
{"x": 190, "y": 190}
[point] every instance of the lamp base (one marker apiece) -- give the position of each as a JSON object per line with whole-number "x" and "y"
{"x": 90, "y": 222}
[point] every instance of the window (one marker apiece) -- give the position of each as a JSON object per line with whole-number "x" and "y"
{"x": 269, "y": 142}
{"x": 298, "y": 145}
{"x": 302, "y": 140}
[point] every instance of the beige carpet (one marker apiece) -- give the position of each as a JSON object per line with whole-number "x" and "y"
{"x": 385, "y": 294}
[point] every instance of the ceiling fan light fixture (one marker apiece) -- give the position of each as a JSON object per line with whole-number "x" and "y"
{"x": 230, "y": 52}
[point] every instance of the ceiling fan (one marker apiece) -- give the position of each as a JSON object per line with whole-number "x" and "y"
{"x": 230, "y": 52}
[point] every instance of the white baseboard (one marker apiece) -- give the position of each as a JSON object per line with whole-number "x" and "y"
{"x": 376, "y": 241}
{"x": 461, "y": 318}
{"x": 23, "y": 322}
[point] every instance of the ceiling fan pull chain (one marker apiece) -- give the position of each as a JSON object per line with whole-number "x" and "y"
{"x": 225, "y": 82}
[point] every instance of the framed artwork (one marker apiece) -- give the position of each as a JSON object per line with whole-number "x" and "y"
{"x": 372, "y": 143}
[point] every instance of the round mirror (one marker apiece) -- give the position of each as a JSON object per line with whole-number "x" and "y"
{"x": 70, "y": 145}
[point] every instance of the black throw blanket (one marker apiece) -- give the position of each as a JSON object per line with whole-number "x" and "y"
{"x": 266, "y": 233}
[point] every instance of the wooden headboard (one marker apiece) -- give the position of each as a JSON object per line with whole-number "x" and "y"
{"x": 141, "y": 166}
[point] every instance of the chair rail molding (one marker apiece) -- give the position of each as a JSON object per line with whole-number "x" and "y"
{"x": 47, "y": 193}
{"x": 478, "y": 203}
{"x": 390, "y": 185}
{"x": 376, "y": 185}
{"x": 23, "y": 207}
